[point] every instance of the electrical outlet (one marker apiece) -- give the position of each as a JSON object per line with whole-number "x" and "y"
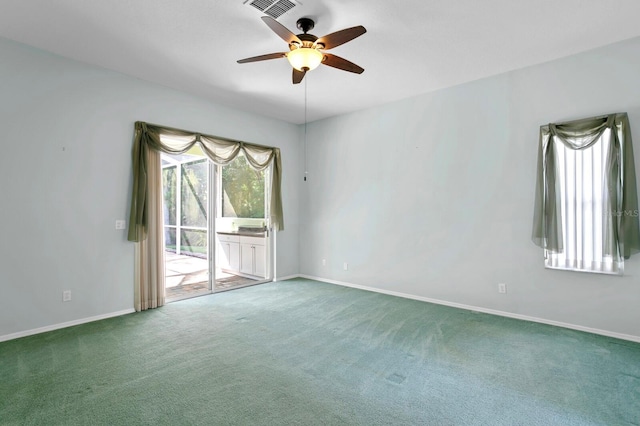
{"x": 345, "y": 266}
{"x": 121, "y": 224}
{"x": 66, "y": 296}
{"x": 324, "y": 262}
{"x": 502, "y": 288}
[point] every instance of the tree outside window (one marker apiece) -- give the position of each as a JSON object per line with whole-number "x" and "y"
{"x": 242, "y": 190}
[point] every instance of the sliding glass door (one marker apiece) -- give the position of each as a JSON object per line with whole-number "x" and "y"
{"x": 216, "y": 227}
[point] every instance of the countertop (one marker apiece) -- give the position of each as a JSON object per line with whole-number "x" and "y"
{"x": 243, "y": 233}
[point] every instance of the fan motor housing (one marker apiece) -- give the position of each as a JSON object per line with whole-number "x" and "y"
{"x": 305, "y": 24}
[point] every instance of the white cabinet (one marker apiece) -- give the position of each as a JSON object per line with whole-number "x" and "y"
{"x": 253, "y": 256}
{"x": 260, "y": 260}
{"x": 246, "y": 258}
{"x": 229, "y": 254}
{"x": 242, "y": 254}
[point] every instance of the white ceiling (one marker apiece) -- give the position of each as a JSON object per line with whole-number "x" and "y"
{"x": 411, "y": 46}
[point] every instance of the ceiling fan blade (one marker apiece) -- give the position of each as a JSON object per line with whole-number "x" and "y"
{"x": 262, "y": 57}
{"x": 281, "y": 30}
{"x": 340, "y": 63}
{"x": 340, "y": 37}
{"x": 298, "y": 76}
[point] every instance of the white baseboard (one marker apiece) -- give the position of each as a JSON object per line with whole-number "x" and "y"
{"x": 288, "y": 277}
{"x": 63, "y": 325}
{"x": 628, "y": 337}
{"x": 607, "y": 333}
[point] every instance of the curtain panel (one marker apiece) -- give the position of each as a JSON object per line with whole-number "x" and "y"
{"x": 622, "y": 236}
{"x": 149, "y": 282}
{"x": 145, "y": 219}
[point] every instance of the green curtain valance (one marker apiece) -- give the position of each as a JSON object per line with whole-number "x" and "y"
{"x": 219, "y": 150}
{"x": 620, "y": 181}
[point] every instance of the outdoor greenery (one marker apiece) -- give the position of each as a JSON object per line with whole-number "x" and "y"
{"x": 194, "y": 194}
{"x": 169, "y": 191}
{"x": 194, "y": 191}
{"x": 242, "y": 190}
{"x": 243, "y": 197}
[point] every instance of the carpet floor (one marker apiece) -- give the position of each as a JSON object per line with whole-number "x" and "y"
{"x": 300, "y": 352}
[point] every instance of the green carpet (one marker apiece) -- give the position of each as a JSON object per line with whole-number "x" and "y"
{"x": 300, "y": 352}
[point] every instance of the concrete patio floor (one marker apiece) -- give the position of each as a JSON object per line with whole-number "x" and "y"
{"x": 188, "y": 276}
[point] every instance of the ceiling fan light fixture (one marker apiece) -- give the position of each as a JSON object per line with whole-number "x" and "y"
{"x": 305, "y": 58}
{"x": 306, "y": 51}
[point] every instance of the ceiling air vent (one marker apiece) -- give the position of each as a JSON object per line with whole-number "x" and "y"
{"x": 273, "y": 8}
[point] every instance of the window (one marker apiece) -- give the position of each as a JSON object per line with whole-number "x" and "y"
{"x": 243, "y": 190}
{"x": 580, "y": 174}
{"x": 586, "y": 216}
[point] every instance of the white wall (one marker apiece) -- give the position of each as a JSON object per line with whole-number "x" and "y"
{"x": 65, "y": 168}
{"x": 440, "y": 207}
{"x": 432, "y": 196}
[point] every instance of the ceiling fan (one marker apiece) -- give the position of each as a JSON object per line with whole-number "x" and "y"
{"x": 306, "y": 51}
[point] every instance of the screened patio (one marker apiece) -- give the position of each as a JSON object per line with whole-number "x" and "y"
{"x": 186, "y": 185}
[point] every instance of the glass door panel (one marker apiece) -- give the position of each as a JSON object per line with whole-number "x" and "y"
{"x": 186, "y": 206}
{"x": 242, "y": 234}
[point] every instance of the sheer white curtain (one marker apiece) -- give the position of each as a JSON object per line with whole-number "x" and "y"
{"x": 583, "y": 195}
{"x": 149, "y": 279}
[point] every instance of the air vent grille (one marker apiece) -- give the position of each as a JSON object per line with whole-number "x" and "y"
{"x": 273, "y": 8}
{"x": 261, "y": 5}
